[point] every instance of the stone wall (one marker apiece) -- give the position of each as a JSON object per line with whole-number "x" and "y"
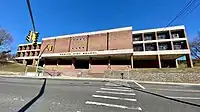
{"x": 161, "y": 76}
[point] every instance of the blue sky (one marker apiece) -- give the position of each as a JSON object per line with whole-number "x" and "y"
{"x": 58, "y": 17}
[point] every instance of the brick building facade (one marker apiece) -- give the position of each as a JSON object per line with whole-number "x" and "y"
{"x": 114, "y": 49}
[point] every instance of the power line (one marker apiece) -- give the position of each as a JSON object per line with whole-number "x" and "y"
{"x": 31, "y": 15}
{"x": 184, "y": 10}
{"x": 192, "y": 10}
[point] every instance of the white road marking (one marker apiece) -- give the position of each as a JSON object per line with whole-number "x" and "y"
{"x": 115, "y": 98}
{"x": 111, "y": 84}
{"x": 122, "y": 88}
{"x": 139, "y": 84}
{"x": 120, "y": 93}
{"x": 110, "y": 89}
{"x": 112, "y": 105}
{"x": 191, "y": 98}
{"x": 178, "y": 90}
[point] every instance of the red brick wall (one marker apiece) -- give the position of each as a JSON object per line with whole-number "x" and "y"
{"x": 120, "y": 67}
{"x": 45, "y": 43}
{"x": 65, "y": 67}
{"x": 78, "y": 44}
{"x": 97, "y": 42}
{"x": 62, "y": 45}
{"x": 120, "y": 40}
{"x": 98, "y": 68}
{"x": 51, "y": 67}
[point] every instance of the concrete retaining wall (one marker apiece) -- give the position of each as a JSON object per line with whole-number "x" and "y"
{"x": 182, "y": 77}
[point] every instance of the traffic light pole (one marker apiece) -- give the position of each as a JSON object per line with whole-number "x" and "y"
{"x": 39, "y": 57}
{"x": 31, "y": 15}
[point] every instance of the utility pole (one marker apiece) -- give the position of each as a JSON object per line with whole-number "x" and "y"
{"x": 33, "y": 35}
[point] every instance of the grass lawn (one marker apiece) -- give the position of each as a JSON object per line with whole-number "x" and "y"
{"x": 14, "y": 67}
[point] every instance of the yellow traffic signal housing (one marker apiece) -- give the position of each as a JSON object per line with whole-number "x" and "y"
{"x": 29, "y": 37}
{"x": 35, "y": 37}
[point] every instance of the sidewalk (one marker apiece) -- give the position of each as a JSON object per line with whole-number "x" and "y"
{"x": 97, "y": 79}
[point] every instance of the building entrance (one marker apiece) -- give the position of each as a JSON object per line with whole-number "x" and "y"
{"x": 81, "y": 64}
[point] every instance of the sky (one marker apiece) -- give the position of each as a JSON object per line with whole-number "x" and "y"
{"x": 60, "y": 17}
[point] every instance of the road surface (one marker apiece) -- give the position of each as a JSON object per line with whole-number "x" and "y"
{"x": 40, "y": 95}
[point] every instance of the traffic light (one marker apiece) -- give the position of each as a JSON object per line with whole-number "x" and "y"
{"x": 29, "y": 37}
{"x": 35, "y": 37}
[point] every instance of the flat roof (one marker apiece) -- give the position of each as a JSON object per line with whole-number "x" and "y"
{"x": 29, "y": 44}
{"x": 159, "y": 29}
{"x": 90, "y": 33}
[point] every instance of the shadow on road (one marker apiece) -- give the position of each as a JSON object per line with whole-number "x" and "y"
{"x": 25, "y": 107}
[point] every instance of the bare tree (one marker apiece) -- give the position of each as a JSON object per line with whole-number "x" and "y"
{"x": 5, "y": 42}
{"x": 195, "y": 47}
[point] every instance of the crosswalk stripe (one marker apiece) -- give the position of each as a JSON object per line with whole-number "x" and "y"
{"x": 112, "y": 105}
{"x": 110, "y": 84}
{"x": 122, "y": 88}
{"x": 115, "y": 98}
{"x": 120, "y": 93}
{"x": 110, "y": 89}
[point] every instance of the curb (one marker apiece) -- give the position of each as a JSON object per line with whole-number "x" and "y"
{"x": 168, "y": 83}
{"x": 65, "y": 78}
{"x": 97, "y": 79}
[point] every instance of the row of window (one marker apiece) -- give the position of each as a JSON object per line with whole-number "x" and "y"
{"x": 160, "y": 35}
{"x": 151, "y": 37}
{"x": 27, "y": 54}
{"x": 161, "y": 46}
{"x": 29, "y": 47}
{"x": 79, "y": 39}
{"x": 79, "y": 48}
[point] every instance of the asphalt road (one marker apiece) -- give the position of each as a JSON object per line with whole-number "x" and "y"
{"x": 38, "y": 95}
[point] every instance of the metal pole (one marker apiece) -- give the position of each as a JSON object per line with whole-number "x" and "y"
{"x": 40, "y": 57}
{"x": 37, "y": 65}
{"x": 128, "y": 74}
{"x": 31, "y": 15}
{"x": 26, "y": 69}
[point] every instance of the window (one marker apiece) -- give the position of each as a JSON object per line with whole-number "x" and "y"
{"x": 164, "y": 46}
{"x": 175, "y": 35}
{"x": 138, "y": 47}
{"x": 23, "y": 54}
{"x": 162, "y": 36}
{"x": 137, "y": 37}
{"x": 178, "y": 33}
{"x": 150, "y": 47}
{"x": 149, "y": 36}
